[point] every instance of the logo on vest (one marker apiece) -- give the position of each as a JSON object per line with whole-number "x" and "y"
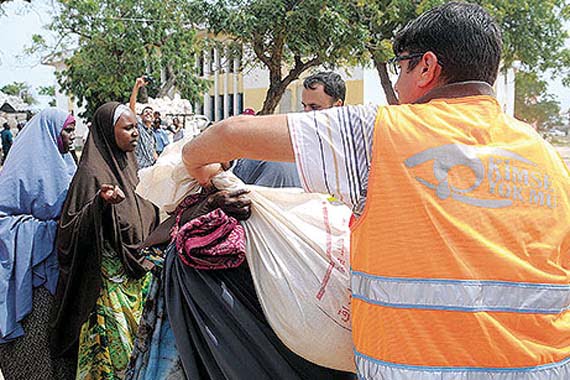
{"x": 507, "y": 178}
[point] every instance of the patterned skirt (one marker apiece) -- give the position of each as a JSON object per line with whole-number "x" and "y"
{"x": 155, "y": 355}
{"x": 29, "y": 357}
{"x": 107, "y": 337}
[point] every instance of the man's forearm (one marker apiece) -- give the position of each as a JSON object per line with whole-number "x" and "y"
{"x": 259, "y": 137}
{"x": 133, "y": 99}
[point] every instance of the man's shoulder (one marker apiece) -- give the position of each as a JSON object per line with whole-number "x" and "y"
{"x": 144, "y": 129}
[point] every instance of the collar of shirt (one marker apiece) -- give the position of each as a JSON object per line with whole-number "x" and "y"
{"x": 458, "y": 90}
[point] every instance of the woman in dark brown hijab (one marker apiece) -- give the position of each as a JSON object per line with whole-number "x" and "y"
{"x": 102, "y": 281}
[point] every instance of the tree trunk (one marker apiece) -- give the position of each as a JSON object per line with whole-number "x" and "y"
{"x": 273, "y": 97}
{"x": 386, "y": 82}
{"x": 169, "y": 83}
{"x": 278, "y": 85}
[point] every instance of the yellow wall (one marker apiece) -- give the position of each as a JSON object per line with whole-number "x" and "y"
{"x": 354, "y": 92}
{"x": 253, "y": 98}
{"x": 221, "y": 84}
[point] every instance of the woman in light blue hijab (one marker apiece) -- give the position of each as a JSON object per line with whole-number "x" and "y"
{"x": 33, "y": 187}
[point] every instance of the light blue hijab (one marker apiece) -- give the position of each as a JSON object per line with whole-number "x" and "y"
{"x": 33, "y": 187}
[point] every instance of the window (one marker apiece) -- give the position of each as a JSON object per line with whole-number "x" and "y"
{"x": 240, "y": 103}
{"x": 220, "y": 107}
{"x": 212, "y": 60}
{"x": 199, "y": 108}
{"x": 201, "y": 64}
{"x": 212, "y": 114}
{"x": 231, "y": 104}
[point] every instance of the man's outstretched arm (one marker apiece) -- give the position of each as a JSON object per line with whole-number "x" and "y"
{"x": 256, "y": 137}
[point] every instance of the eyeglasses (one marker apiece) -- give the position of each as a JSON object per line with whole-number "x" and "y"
{"x": 393, "y": 63}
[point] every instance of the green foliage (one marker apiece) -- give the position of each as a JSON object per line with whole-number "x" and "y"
{"x": 533, "y": 104}
{"x": 382, "y": 19}
{"x": 20, "y": 89}
{"x": 47, "y": 90}
{"x": 112, "y": 42}
{"x": 288, "y": 37}
{"x": 533, "y": 30}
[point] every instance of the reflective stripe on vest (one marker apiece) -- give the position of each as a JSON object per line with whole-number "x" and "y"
{"x": 460, "y": 295}
{"x": 461, "y": 258}
{"x": 370, "y": 368}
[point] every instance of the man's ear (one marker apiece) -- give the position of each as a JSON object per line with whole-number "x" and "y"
{"x": 338, "y": 103}
{"x": 429, "y": 71}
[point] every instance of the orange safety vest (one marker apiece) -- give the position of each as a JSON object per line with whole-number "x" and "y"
{"x": 461, "y": 258}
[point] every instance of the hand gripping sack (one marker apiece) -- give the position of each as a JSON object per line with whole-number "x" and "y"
{"x": 298, "y": 253}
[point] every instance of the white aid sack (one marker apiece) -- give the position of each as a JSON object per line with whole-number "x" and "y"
{"x": 166, "y": 183}
{"x": 298, "y": 253}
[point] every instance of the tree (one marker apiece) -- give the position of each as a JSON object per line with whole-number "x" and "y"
{"x": 106, "y": 44}
{"x": 20, "y": 89}
{"x": 533, "y": 31}
{"x": 534, "y": 104}
{"x": 48, "y": 91}
{"x": 382, "y": 19}
{"x": 288, "y": 37}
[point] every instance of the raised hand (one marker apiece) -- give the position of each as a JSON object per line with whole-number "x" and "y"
{"x": 111, "y": 194}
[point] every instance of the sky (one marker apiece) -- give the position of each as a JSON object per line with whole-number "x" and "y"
{"x": 22, "y": 20}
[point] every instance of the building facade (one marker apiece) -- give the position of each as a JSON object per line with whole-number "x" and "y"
{"x": 235, "y": 88}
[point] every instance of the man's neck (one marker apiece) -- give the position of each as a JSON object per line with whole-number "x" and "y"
{"x": 458, "y": 90}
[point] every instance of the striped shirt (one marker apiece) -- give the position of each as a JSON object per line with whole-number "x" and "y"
{"x": 333, "y": 149}
{"x": 146, "y": 148}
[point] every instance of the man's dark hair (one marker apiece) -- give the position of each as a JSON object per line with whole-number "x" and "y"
{"x": 145, "y": 108}
{"x": 332, "y": 82}
{"x": 6, "y": 126}
{"x": 464, "y": 37}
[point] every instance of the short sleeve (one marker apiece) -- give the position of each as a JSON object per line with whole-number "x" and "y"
{"x": 333, "y": 150}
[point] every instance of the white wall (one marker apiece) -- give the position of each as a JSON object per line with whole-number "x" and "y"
{"x": 505, "y": 91}
{"x": 373, "y": 92}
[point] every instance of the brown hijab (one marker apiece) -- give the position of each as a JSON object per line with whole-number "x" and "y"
{"x": 87, "y": 221}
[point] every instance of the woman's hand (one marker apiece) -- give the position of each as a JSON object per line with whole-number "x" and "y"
{"x": 234, "y": 203}
{"x": 111, "y": 194}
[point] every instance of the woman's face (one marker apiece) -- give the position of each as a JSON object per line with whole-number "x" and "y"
{"x": 67, "y": 136}
{"x": 126, "y": 132}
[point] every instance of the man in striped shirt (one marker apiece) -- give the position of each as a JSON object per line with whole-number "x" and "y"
{"x": 321, "y": 91}
{"x": 145, "y": 152}
{"x": 459, "y": 261}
